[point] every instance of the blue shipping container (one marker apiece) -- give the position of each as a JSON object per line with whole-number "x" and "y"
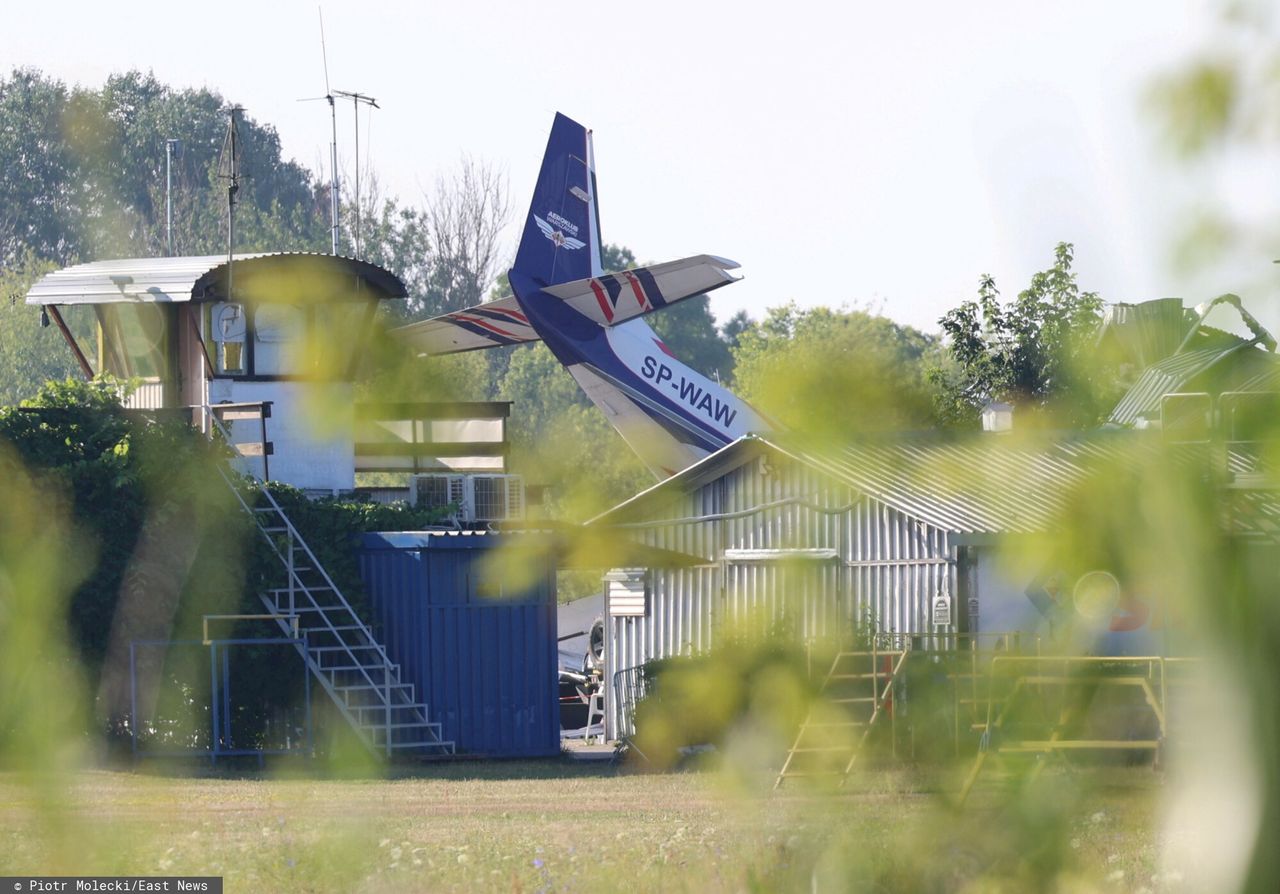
{"x": 479, "y": 647}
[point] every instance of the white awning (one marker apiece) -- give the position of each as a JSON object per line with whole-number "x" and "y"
{"x": 171, "y": 280}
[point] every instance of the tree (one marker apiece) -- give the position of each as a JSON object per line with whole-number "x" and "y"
{"x": 39, "y": 190}
{"x": 733, "y": 328}
{"x": 82, "y": 173}
{"x": 835, "y": 373}
{"x": 465, "y": 217}
{"x": 1034, "y": 352}
{"x": 30, "y": 353}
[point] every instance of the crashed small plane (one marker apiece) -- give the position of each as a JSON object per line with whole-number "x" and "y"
{"x": 671, "y": 415}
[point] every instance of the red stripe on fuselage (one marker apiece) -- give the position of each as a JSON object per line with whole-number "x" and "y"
{"x": 602, "y": 300}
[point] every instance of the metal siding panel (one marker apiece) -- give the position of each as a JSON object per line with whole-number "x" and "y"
{"x": 487, "y": 670}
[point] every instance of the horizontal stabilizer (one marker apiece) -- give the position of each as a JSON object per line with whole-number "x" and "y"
{"x": 606, "y": 300}
{"x": 490, "y": 325}
{"x": 613, "y": 298}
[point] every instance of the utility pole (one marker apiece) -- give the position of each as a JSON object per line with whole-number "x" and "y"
{"x": 172, "y": 149}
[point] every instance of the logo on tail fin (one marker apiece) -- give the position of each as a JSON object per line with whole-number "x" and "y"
{"x": 557, "y": 236}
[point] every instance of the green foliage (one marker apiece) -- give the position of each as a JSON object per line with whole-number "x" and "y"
{"x": 82, "y": 173}
{"x": 1035, "y": 353}
{"x": 119, "y": 472}
{"x": 29, "y": 353}
{"x": 835, "y": 373}
{"x": 747, "y": 686}
{"x": 331, "y": 528}
{"x": 163, "y": 543}
{"x": 733, "y": 328}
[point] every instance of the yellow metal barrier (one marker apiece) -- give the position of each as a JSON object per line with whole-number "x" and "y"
{"x": 1073, "y": 682}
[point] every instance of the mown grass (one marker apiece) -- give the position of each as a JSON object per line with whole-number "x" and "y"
{"x": 566, "y": 826}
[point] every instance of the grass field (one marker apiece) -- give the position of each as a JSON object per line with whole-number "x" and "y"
{"x": 573, "y": 826}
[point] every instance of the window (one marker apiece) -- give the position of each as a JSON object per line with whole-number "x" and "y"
{"x": 134, "y": 340}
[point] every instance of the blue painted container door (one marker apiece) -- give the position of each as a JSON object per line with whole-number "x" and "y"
{"x": 486, "y": 667}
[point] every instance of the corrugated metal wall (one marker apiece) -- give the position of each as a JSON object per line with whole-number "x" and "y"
{"x": 887, "y": 568}
{"x": 486, "y": 667}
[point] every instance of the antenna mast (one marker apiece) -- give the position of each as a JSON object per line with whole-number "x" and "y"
{"x": 356, "y": 100}
{"x": 229, "y": 170}
{"x": 333, "y": 144}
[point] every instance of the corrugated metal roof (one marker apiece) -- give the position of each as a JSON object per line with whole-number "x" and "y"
{"x": 1149, "y": 331}
{"x": 1167, "y": 377}
{"x": 984, "y": 485}
{"x": 166, "y": 280}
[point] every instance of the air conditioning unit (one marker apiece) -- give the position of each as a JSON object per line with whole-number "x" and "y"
{"x": 479, "y": 498}
{"x": 441, "y": 492}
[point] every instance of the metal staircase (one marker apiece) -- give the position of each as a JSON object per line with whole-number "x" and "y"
{"x": 339, "y": 649}
{"x": 855, "y": 694}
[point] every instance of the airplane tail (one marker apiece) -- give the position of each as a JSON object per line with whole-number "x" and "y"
{"x": 561, "y": 238}
{"x": 669, "y": 414}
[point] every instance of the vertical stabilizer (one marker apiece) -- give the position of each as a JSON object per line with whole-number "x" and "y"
{"x": 561, "y": 238}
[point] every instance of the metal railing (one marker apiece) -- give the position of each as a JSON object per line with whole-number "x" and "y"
{"x": 365, "y": 686}
{"x": 1058, "y": 692}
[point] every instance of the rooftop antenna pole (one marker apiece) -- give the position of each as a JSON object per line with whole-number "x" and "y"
{"x": 334, "y": 200}
{"x": 356, "y": 100}
{"x": 333, "y": 144}
{"x": 229, "y": 170}
{"x": 171, "y": 148}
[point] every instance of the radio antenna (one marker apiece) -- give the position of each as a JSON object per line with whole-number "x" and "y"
{"x": 333, "y": 144}
{"x": 356, "y": 100}
{"x": 229, "y": 170}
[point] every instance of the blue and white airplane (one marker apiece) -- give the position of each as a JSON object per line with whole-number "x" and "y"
{"x": 669, "y": 414}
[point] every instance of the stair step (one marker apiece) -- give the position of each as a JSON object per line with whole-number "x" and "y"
{"x": 416, "y": 729}
{"x": 414, "y": 706}
{"x": 883, "y": 675}
{"x": 351, "y": 648}
{"x": 373, "y": 687}
{"x": 375, "y": 702}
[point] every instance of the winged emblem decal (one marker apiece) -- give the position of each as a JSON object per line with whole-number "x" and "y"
{"x": 556, "y": 236}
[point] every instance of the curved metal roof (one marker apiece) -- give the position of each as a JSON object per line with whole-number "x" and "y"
{"x": 170, "y": 280}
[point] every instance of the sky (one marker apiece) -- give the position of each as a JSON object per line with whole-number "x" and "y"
{"x": 844, "y": 153}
